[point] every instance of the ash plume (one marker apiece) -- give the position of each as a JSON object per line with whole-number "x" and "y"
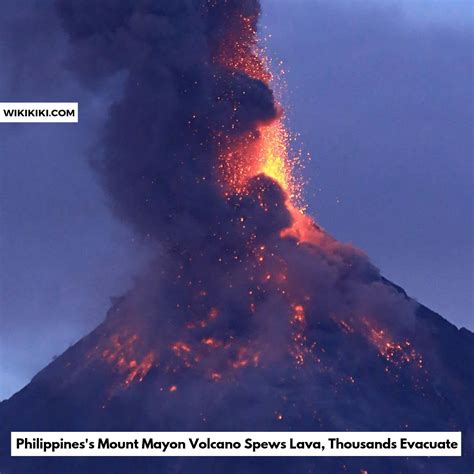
{"x": 159, "y": 164}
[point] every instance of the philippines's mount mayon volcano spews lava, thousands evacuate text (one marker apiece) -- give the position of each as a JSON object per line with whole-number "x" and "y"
{"x": 251, "y": 317}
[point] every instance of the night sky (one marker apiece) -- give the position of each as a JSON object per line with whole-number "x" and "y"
{"x": 382, "y": 96}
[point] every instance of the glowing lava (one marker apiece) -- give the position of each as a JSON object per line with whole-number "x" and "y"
{"x": 275, "y": 162}
{"x": 267, "y": 151}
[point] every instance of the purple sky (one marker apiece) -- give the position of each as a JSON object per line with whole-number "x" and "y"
{"x": 382, "y": 98}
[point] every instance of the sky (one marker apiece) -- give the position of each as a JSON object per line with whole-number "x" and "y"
{"x": 381, "y": 94}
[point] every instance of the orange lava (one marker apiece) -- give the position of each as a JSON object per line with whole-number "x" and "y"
{"x": 395, "y": 352}
{"x": 122, "y": 353}
{"x": 267, "y": 151}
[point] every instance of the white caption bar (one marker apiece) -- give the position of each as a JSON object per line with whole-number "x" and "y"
{"x": 236, "y": 444}
{"x": 39, "y": 112}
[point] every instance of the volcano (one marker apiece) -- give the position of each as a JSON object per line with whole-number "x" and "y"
{"x": 251, "y": 317}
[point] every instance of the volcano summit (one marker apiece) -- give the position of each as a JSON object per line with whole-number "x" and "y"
{"x": 251, "y": 318}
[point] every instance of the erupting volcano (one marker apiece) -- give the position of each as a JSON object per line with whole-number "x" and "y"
{"x": 251, "y": 317}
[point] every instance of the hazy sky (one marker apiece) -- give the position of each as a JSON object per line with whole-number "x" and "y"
{"x": 382, "y": 97}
